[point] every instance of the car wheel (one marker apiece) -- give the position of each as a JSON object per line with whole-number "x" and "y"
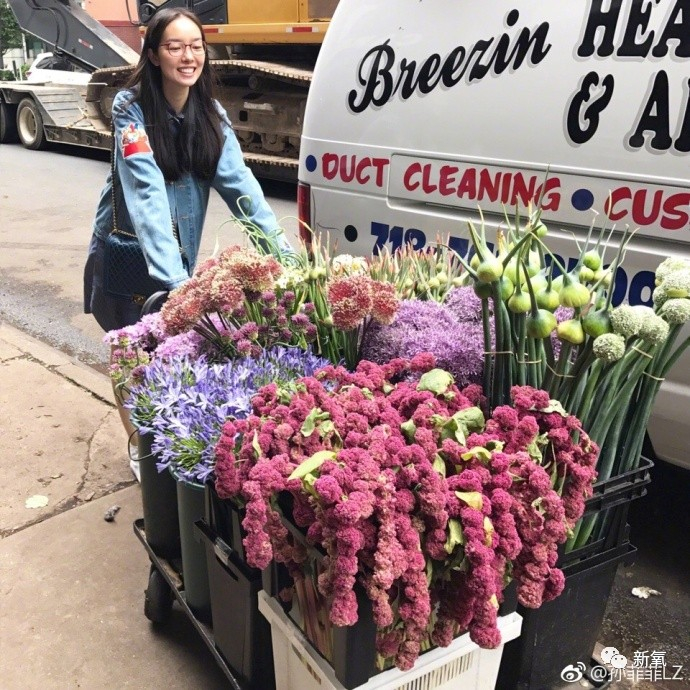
{"x": 30, "y": 125}
{"x": 8, "y": 124}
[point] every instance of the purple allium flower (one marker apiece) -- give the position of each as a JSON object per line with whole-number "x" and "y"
{"x": 427, "y": 326}
{"x": 464, "y": 304}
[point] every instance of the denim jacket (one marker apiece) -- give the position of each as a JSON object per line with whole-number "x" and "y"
{"x": 152, "y": 202}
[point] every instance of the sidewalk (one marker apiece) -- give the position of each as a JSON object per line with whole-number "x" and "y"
{"x": 72, "y": 584}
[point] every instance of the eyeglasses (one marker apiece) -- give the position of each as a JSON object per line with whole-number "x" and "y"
{"x": 176, "y": 48}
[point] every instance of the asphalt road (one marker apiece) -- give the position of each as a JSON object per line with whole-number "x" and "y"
{"x": 47, "y": 202}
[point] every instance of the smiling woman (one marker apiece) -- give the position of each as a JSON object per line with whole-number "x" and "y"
{"x": 172, "y": 142}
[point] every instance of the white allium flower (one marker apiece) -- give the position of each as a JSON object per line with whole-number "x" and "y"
{"x": 670, "y": 265}
{"x": 290, "y": 278}
{"x": 626, "y": 320}
{"x": 654, "y": 329}
{"x": 677, "y": 283}
{"x": 346, "y": 264}
{"x": 610, "y": 347}
{"x": 676, "y": 311}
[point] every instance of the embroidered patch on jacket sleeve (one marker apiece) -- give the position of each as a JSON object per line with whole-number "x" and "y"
{"x": 135, "y": 140}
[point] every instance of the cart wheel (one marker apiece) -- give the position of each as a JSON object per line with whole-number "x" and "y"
{"x": 158, "y": 598}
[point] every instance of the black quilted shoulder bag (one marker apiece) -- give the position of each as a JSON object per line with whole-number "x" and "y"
{"x": 125, "y": 274}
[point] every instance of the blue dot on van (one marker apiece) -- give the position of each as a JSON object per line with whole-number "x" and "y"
{"x": 582, "y": 199}
{"x": 310, "y": 163}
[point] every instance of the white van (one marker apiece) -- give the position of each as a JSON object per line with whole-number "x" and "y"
{"x": 422, "y": 111}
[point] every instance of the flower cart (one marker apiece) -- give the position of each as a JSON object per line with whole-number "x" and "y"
{"x": 391, "y": 448}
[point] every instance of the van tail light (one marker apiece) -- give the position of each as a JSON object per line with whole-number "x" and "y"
{"x": 304, "y": 212}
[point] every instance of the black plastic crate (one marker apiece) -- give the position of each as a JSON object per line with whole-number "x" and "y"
{"x": 564, "y": 631}
{"x": 621, "y": 488}
{"x": 241, "y": 634}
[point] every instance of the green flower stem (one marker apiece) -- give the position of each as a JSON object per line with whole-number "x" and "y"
{"x": 521, "y": 350}
{"x": 549, "y": 364}
{"x": 662, "y": 364}
{"x": 632, "y": 364}
{"x": 533, "y": 372}
{"x": 488, "y": 346}
{"x": 584, "y": 359}
{"x": 561, "y": 367}
{"x": 580, "y": 407}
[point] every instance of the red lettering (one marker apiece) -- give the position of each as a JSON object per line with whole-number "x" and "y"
{"x": 329, "y": 165}
{"x": 617, "y": 195}
{"x": 379, "y": 164}
{"x": 550, "y": 198}
{"x": 468, "y": 184}
{"x": 413, "y": 169}
{"x": 522, "y": 194}
{"x": 640, "y": 215}
{"x": 505, "y": 187}
{"x": 674, "y": 218}
{"x": 361, "y": 167}
{"x": 447, "y": 182}
{"x": 426, "y": 181}
{"x": 488, "y": 185}
{"x": 345, "y": 174}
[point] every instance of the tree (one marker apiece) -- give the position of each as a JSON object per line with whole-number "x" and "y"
{"x": 10, "y": 33}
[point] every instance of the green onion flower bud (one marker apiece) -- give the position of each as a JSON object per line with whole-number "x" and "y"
{"x": 573, "y": 293}
{"x": 510, "y": 271}
{"x": 460, "y": 281}
{"x": 442, "y": 277}
{"x": 609, "y": 347}
{"x": 571, "y": 331}
{"x": 592, "y": 260}
{"x": 585, "y": 275}
{"x": 670, "y": 265}
{"x": 676, "y": 311}
{"x": 505, "y": 287}
{"x": 540, "y": 325}
{"x": 434, "y": 283}
{"x": 539, "y": 229}
{"x": 548, "y": 299}
{"x": 475, "y": 261}
{"x": 519, "y": 302}
{"x": 533, "y": 263}
{"x": 489, "y": 270}
{"x": 596, "y": 323}
{"x": 537, "y": 281}
{"x": 603, "y": 275}
{"x": 625, "y": 320}
{"x": 482, "y": 290}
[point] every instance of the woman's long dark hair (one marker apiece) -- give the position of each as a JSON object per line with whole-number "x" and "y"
{"x": 197, "y": 147}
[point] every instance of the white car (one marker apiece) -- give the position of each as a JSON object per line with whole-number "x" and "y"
{"x": 55, "y": 69}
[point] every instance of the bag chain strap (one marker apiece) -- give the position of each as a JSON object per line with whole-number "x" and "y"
{"x": 113, "y": 177}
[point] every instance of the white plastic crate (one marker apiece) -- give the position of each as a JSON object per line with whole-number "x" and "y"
{"x": 462, "y": 665}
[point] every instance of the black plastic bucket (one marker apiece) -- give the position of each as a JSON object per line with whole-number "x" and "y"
{"x": 159, "y": 501}
{"x": 190, "y": 505}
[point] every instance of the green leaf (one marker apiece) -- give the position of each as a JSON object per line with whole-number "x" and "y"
{"x": 311, "y": 464}
{"x": 437, "y": 381}
{"x": 315, "y": 416}
{"x": 326, "y": 428}
{"x": 479, "y": 452}
{"x": 440, "y": 465}
{"x": 409, "y": 429}
{"x": 455, "y": 535}
{"x": 255, "y": 444}
{"x": 472, "y": 498}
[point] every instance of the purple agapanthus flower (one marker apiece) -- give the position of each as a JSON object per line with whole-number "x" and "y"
{"x": 185, "y": 401}
{"x": 427, "y": 326}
